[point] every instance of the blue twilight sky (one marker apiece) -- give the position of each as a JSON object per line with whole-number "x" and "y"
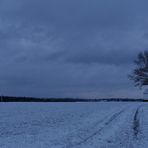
{"x": 71, "y": 48}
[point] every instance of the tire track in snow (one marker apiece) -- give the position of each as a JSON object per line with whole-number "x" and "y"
{"x": 130, "y": 129}
{"x": 106, "y": 124}
{"x": 136, "y": 123}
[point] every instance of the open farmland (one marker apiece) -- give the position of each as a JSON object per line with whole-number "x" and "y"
{"x": 74, "y": 125}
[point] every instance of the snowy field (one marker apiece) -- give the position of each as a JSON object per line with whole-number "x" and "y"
{"x": 74, "y": 125}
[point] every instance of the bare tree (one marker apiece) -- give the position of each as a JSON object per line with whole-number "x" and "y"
{"x": 140, "y": 73}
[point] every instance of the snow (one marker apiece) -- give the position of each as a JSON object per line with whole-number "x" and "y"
{"x": 74, "y": 125}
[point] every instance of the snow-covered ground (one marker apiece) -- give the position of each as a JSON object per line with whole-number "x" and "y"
{"x": 74, "y": 125}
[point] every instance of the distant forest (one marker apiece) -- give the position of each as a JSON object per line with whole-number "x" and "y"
{"x": 31, "y": 99}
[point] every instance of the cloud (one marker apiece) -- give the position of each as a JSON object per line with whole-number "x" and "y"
{"x": 70, "y": 48}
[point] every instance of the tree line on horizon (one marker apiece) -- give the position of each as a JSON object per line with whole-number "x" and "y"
{"x": 31, "y": 99}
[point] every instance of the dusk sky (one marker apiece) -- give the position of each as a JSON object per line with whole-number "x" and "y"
{"x": 71, "y": 48}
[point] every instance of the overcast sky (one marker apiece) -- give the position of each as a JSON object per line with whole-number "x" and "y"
{"x": 71, "y": 48}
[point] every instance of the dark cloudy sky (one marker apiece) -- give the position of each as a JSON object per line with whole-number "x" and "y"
{"x": 71, "y": 48}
